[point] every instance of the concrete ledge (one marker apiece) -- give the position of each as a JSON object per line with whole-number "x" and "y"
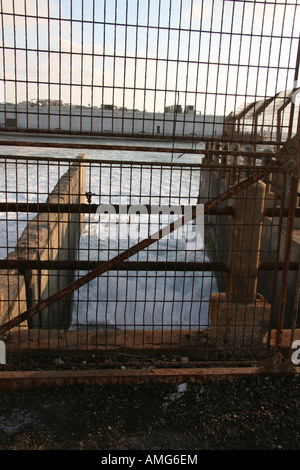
{"x": 107, "y": 340}
{"x": 59, "y": 341}
{"x": 40, "y": 379}
{"x": 47, "y": 237}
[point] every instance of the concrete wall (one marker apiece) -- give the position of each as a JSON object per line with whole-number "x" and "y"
{"x": 217, "y": 227}
{"x": 13, "y": 296}
{"x": 48, "y": 236}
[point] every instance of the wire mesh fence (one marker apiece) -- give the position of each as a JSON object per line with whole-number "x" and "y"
{"x": 173, "y": 236}
{"x": 205, "y": 291}
{"x": 179, "y": 68}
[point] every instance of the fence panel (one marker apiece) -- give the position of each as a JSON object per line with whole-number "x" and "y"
{"x": 205, "y": 291}
{"x": 172, "y": 238}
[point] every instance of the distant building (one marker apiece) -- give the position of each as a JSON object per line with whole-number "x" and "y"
{"x": 49, "y": 102}
{"x": 108, "y": 107}
{"x": 189, "y": 109}
{"x": 55, "y": 116}
{"x": 174, "y": 109}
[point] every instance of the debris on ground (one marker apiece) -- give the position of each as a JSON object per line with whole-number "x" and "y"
{"x": 249, "y": 413}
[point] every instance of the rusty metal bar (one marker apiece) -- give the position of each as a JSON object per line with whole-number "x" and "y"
{"x": 44, "y": 207}
{"x": 295, "y": 313}
{"x": 277, "y": 212}
{"x": 58, "y": 143}
{"x": 22, "y": 265}
{"x": 296, "y": 85}
{"x": 265, "y": 266}
{"x": 33, "y": 207}
{"x": 22, "y": 380}
{"x": 132, "y": 148}
{"x": 287, "y": 254}
{"x": 147, "y": 164}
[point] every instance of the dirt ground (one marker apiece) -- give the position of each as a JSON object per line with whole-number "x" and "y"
{"x": 249, "y": 413}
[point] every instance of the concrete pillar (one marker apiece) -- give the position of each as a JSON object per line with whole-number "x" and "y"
{"x": 245, "y": 243}
{"x": 239, "y": 330}
{"x": 240, "y": 317}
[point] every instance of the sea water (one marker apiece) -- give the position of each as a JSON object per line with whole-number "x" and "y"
{"x": 119, "y": 299}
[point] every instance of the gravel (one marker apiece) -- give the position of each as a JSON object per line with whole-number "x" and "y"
{"x": 250, "y": 413}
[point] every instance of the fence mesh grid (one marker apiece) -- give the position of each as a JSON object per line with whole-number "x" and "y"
{"x": 173, "y": 236}
{"x": 149, "y": 68}
{"x": 162, "y": 303}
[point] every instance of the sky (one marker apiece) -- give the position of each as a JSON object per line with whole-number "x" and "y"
{"x": 210, "y": 54}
